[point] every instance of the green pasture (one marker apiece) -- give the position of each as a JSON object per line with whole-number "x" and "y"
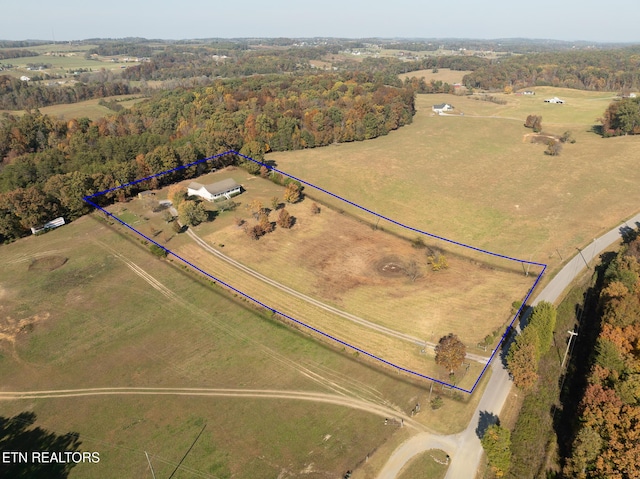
{"x": 109, "y": 314}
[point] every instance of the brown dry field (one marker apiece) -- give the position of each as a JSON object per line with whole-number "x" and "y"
{"x": 345, "y": 263}
{"x": 472, "y": 178}
{"x": 352, "y": 266}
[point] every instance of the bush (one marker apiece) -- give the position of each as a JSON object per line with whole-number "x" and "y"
{"x": 418, "y": 242}
{"x": 436, "y": 403}
{"x": 438, "y": 262}
{"x": 553, "y": 148}
{"x": 158, "y": 251}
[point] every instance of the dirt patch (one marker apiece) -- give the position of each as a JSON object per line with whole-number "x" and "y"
{"x": 390, "y": 266}
{"x": 47, "y": 263}
{"x": 538, "y": 138}
{"x": 11, "y": 328}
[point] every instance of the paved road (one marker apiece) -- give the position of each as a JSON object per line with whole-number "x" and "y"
{"x": 467, "y": 450}
{"x": 350, "y": 317}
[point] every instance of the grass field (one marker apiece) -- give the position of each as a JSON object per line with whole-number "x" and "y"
{"x": 63, "y": 59}
{"x": 88, "y": 108}
{"x": 473, "y": 178}
{"x": 348, "y": 270}
{"x": 350, "y": 265}
{"x": 428, "y": 465}
{"x": 443, "y": 74}
{"x": 103, "y": 312}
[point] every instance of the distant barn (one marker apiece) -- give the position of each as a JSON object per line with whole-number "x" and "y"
{"x": 222, "y": 189}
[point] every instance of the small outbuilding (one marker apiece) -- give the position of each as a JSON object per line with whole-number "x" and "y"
{"x": 49, "y": 225}
{"x": 222, "y": 189}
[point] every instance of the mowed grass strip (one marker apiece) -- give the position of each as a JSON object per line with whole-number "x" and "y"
{"x": 474, "y": 179}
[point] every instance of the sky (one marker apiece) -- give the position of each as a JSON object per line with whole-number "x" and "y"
{"x": 572, "y": 20}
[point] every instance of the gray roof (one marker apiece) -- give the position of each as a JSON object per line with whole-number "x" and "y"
{"x": 218, "y": 188}
{"x": 440, "y": 106}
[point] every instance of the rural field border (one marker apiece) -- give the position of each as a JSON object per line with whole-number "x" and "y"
{"x": 89, "y": 199}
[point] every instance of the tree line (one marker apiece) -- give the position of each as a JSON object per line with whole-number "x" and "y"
{"x": 17, "y": 53}
{"x": 213, "y": 62}
{"x": 49, "y": 165}
{"x": 622, "y": 118}
{"x": 598, "y": 70}
{"x": 20, "y": 95}
{"x": 606, "y": 440}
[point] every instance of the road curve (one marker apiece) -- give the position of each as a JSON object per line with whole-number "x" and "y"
{"x": 467, "y": 455}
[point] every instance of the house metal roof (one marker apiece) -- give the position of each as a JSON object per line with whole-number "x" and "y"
{"x": 218, "y": 188}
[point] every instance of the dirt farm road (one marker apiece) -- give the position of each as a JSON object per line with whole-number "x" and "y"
{"x": 336, "y": 399}
{"x": 350, "y": 317}
{"x": 465, "y": 448}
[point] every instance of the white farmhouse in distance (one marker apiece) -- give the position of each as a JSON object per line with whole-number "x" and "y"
{"x": 221, "y": 189}
{"x": 441, "y": 108}
{"x": 555, "y": 99}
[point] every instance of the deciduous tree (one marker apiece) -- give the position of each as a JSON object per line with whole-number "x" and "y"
{"x": 450, "y": 352}
{"x": 497, "y": 444}
{"x": 176, "y": 195}
{"x": 285, "y": 220}
{"x": 523, "y": 365}
{"x": 292, "y": 193}
{"x": 192, "y": 213}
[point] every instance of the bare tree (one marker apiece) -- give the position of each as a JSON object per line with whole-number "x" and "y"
{"x": 412, "y": 270}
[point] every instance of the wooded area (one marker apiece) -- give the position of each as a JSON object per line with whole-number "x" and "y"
{"x": 622, "y": 118}
{"x": 22, "y": 95}
{"x": 49, "y": 165}
{"x": 599, "y": 70}
{"x": 608, "y": 418}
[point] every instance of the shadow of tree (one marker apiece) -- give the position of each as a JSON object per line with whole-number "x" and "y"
{"x": 17, "y": 434}
{"x": 486, "y": 419}
{"x": 628, "y": 234}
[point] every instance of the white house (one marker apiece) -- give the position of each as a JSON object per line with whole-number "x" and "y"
{"x": 555, "y": 99}
{"x": 221, "y": 189}
{"x": 528, "y": 92}
{"x": 441, "y": 108}
{"x": 24, "y": 78}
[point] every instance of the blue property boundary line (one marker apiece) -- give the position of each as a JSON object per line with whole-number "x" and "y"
{"x": 88, "y": 199}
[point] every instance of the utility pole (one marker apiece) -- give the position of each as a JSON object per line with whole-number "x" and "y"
{"x": 581, "y": 255}
{"x": 572, "y": 333}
